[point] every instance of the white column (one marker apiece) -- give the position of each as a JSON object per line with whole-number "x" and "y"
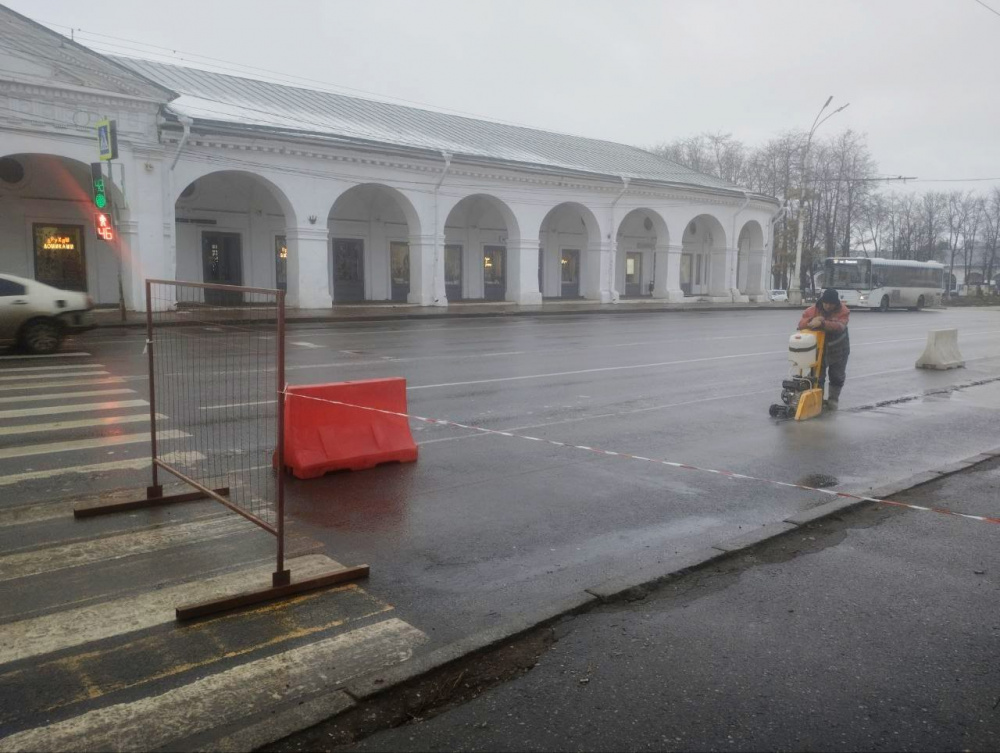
{"x": 667, "y": 283}
{"x": 141, "y": 231}
{"x": 522, "y": 272}
{"x": 732, "y": 259}
{"x": 427, "y": 270}
{"x": 755, "y": 275}
{"x": 308, "y": 270}
{"x": 719, "y": 284}
{"x": 129, "y": 249}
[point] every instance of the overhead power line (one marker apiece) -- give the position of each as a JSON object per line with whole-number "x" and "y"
{"x": 991, "y": 10}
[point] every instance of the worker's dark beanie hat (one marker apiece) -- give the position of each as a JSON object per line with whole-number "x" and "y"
{"x": 830, "y": 295}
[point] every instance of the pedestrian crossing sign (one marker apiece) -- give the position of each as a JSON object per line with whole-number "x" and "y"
{"x": 107, "y": 139}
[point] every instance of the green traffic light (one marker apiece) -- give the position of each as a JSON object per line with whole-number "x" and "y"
{"x": 101, "y": 201}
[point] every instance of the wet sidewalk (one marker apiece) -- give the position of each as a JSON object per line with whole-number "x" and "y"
{"x": 871, "y": 631}
{"x": 383, "y": 311}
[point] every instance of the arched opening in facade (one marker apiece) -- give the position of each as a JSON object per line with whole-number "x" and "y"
{"x": 370, "y": 228}
{"x": 49, "y": 225}
{"x": 750, "y": 259}
{"x": 704, "y": 269}
{"x": 230, "y": 230}
{"x": 567, "y": 261}
{"x": 640, "y": 233}
{"x": 476, "y": 263}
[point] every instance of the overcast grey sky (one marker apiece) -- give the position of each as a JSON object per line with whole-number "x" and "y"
{"x": 921, "y": 76}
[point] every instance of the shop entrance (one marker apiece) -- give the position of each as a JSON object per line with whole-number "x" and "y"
{"x": 348, "y": 270}
{"x": 222, "y": 264}
{"x": 59, "y": 257}
{"x": 633, "y": 274}
{"x": 570, "y": 268}
{"x": 494, "y": 273}
{"x": 399, "y": 269}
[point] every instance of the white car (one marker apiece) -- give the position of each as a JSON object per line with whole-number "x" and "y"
{"x": 779, "y": 295}
{"x": 37, "y": 316}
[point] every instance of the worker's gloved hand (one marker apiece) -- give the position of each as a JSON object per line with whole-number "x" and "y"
{"x": 816, "y": 322}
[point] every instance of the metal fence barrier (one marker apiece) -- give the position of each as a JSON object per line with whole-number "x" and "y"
{"x": 217, "y": 373}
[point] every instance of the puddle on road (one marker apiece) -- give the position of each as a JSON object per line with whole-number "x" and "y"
{"x": 818, "y": 480}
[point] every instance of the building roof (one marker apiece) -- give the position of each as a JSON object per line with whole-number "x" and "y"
{"x": 38, "y": 55}
{"x": 219, "y": 98}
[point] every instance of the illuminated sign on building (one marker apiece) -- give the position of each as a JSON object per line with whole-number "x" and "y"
{"x": 58, "y": 243}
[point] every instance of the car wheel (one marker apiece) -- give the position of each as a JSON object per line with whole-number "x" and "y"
{"x": 884, "y": 305}
{"x": 41, "y": 336}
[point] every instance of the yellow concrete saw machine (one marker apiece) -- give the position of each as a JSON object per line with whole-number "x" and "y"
{"x": 801, "y": 392}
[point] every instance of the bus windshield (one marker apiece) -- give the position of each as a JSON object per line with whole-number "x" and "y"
{"x": 847, "y": 274}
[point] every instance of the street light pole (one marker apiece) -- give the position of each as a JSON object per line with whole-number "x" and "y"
{"x": 795, "y": 283}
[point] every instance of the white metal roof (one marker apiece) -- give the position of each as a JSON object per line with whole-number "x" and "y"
{"x": 219, "y": 98}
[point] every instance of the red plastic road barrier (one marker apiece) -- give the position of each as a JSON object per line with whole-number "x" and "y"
{"x": 322, "y": 437}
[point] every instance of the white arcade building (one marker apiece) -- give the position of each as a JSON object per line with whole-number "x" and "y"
{"x": 339, "y": 199}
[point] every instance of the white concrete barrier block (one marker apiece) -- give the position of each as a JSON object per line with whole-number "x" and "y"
{"x": 941, "y": 351}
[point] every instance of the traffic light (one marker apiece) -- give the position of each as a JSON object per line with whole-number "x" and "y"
{"x": 99, "y": 185}
{"x": 105, "y": 226}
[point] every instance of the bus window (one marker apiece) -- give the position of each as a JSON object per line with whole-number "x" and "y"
{"x": 847, "y": 276}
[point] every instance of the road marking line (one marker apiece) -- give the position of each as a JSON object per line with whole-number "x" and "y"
{"x": 218, "y": 700}
{"x": 21, "y": 377}
{"x": 89, "y": 551}
{"x": 303, "y": 344}
{"x": 52, "y": 368}
{"x": 74, "y": 627}
{"x": 82, "y": 423}
{"x": 75, "y": 354}
{"x": 19, "y": 515}
{"x": 87, "y": 444}
{"x": 629, "y": 456}
{"x": 58, "y": 385}
{"x": 53, "y": 410}
{"x": 237, "y": 405}
{"x": 64, "y": 395}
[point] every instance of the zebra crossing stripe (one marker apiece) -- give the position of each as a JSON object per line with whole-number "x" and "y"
{"x": 64, "y": 395}
{"x": 49, "y": 510}
{"x": 241, "y": 694}
{"x": 94, "y": 622}
{"x": 60, "y": 385}
{"x": 83, "y": 423}
{"x": 86, "y": 552}
{"x": 89, "y": 373}
{"x": 86, "y": 444}
{"x": 51, "y": 368}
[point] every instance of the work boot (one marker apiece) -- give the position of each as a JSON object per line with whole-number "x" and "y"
{"x": 832, "y": 401}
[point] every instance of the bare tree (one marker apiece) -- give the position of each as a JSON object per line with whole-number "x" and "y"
{"x": 956, "y": 209}
{"x": 991, "y": 232}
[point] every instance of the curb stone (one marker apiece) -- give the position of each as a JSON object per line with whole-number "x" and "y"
{"x": 638, "y": 583}
{"x": 387, "y": 317}
{"x": 375, "y": 683}
{"x": 756, "y": 536}
{"x": 633, "y": 585}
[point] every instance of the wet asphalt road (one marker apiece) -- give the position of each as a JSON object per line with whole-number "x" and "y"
{"x": 874, "y": 632}
{"x": 486, "y": 527}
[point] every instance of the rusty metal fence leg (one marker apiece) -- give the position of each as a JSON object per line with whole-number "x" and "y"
{"x": 155, "y": 491}
{"x": 282, "y": 576}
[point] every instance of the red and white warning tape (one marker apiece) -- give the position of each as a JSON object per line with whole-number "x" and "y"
{"x": 630, "y": 456}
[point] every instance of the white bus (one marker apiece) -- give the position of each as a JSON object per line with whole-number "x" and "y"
{"x": 885, "y": 283}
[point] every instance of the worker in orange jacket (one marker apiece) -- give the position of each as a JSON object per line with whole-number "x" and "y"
{"x": 830, "y": 314}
